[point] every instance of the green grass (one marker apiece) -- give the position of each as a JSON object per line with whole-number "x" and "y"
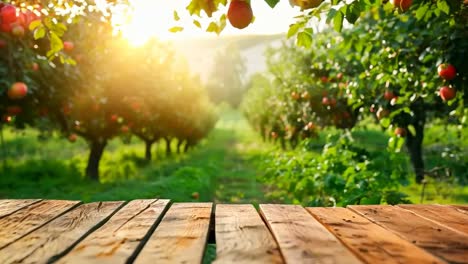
{"x": 223, "y": 168}
{"x": 220, "y": 169}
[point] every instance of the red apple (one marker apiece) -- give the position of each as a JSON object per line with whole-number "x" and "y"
{"x": 402, "y": 4}
{"x": 195, "y": 195}
{"x": 447, "y": 93}
{"x": 240, "y": 14}
{"x": 324, "y": 79}
{"x": 17, "y": 91}
{"x": 125, "y": 129}
{"x": 305, "y": 95}
{"x": 68, "y": 46}
{"x": 447, "y": 71}
{"x": 3, "y": 44}
{"x": 14, "y": 110}
{"x": 17, "y": 31}
{"x": 382, "y": 113}
{"x": 306, "y": 4}
{"x": 8, "y": 14}
{"x": 72, "y": 137}
{"x": 339, "y": 76}
{"x": 295, "y": 95}
{"x": 332, "y": 102}
{"x": 35, "y": 66}
{"x": 114, "y": 118}
{"x": 7, "y": 118}
{"x": 389, "y": 95}
{"x": 400, "y": 132}
{"x": 5, "y": 27}
{"x": 325, "y": 101}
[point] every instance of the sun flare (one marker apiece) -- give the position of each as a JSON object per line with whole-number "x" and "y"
{"x": 145, "y": 20}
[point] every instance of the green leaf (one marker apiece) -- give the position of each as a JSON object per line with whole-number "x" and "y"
{"x": 338, "y": 21}
{"x": 304, "y": 39}
{"x": 39, "y": 33}
{"x": 331, "y": 14}
{"x": 197, "y": 23}
{"x": 335, "y": 2}
{"x": 385, "y": 122}
{"x": 353, "y": 12}
{"x": 412, "y": 130}
{"x": 421, "y": 11}
{"x": 35, "y": 24}
{"x": 272, "y": 3}
{"x": 293, "y": 29}
{"x": 176, "y": 29}
{"x": 442, "y": 5}
{"x": 56, "y": 43}
{"x": 176, "y": 16}
{"x": 212, "y": 27}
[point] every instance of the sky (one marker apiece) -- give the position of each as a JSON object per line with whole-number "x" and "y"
{"x": 154, "y": 17}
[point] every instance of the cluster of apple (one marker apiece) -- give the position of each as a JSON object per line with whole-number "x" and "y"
{"x": 447, "y": 72}
{"x": 15, "y": 21}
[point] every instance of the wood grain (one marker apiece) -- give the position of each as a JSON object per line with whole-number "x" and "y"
{"x": 461, "y": 208}
{"x": 117, "y": 239}
{"x": 57, "y": 235}
{"x": 180, "y": 237}
{"x": 301, "y": 238}
{"x": 369, "y": 241}
{"x": 445, "y": 215}
{"x": 8, "y": 207}
{"x": 21, "y": 223}
{"x": 435, "y": 238}
{"x": 243, "y": 237}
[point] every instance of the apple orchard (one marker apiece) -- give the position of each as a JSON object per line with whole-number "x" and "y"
{"x": 399, "y": 63}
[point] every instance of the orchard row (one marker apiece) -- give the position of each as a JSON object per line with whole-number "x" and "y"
{"x": 401, "y": 71}
{"x": 83, "y": 80}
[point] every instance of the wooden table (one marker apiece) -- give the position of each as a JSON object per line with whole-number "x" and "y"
{"x": 156, "y": 231}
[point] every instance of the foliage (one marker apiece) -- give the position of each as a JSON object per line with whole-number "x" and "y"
{"x": 85, "y": 80}
{"x": 344, "y": 174}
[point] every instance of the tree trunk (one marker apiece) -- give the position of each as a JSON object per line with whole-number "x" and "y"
{"x": 95, "y": 154}
{"x": 187, "y": 146}
{"x": 179, "y": 145}
{"x": 168, "y": 146}
{"x": 414, "y": 142}
{"x": 148, "y": 154}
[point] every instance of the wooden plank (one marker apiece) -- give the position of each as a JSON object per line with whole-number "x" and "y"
{"x": 369, "y": 241}
{"x": 180, "y": 237}
{"x": 301, "y": 238}
{"x": 445, "y": 215}
{"x": 117, "y": 240}
{"x": 243, "y": 237}
{"x": 435, "y": 238}
{"x": 461, "y": 208}
{"x": 57, "y": 235}
{"x": 23, "y": 222}
{"x": 8, "y": 207}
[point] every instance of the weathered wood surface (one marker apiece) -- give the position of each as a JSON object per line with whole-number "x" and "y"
{"x": 118, "y": 239}
{"x": 461, "y": 208}
{"x": 369, "y": 241}
{"x": 24, "y": 221}
{"x": 243, "y": 237}
{"x": 435, "y": 238}
{"x": 10, "y": 206}
{"x": 180, "y": 237}
{"x": 57, "y": 235}
{"x": 302, "y": 239}
{"x": 445, "y": 215}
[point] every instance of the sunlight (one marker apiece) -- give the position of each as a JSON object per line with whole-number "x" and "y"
{"x": 146, "y": 20}
{"x": 153, "y": 18}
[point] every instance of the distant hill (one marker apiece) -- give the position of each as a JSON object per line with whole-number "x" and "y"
{"x": 199, "y": 52}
